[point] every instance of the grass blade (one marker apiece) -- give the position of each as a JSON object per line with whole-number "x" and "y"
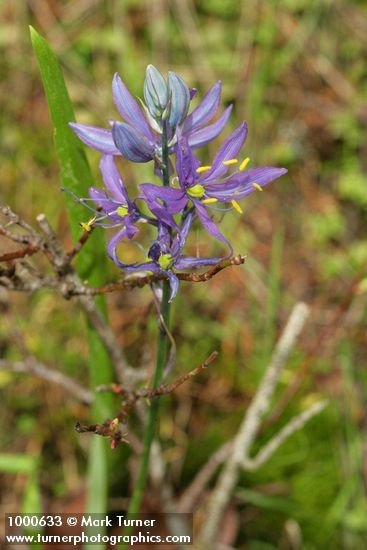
{"x": 92, "y": 261}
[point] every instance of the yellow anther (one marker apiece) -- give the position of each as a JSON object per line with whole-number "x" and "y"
{"x": 122, "y": 211}
{"x": 257, "y": 186}
{"x": 203, "y": 169}
{"x": 229, "y": 162}
{"x": 244, "y": 163}
{"x": 237, "y": 207}
{"x": 211, "y": 200}
{"x": 87, "y": 226}
{"x": 196, "y": 191}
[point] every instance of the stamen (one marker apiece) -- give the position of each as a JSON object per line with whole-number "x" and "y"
{"x": 89, "y": 224}
{"x": 244, "y": 163}
{"x": 203, "y": 169}
{"x": 229, "y": 162}
{"x": 236, "y": 206}
{"x": 79, "y": 200}
{"x": 257, "y": 186}
{"x": 210, "y": 200}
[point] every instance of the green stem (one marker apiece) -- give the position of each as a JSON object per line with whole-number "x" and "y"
{"x": 150, "y": 429}
{"x": 162, "y": 351}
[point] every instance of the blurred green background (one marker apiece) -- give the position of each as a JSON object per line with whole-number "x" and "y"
{"x": 296, "y": 72}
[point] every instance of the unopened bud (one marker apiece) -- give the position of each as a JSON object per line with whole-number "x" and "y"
{"x": 155, "y": 92}
{"x": 180, "y": 99}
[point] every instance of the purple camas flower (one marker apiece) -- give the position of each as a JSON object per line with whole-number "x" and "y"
{"x": 207, "y": 186}
{"x": 113, "y": 206}
{"x": 139, "y": 138}
{"x": 165, "y": 255}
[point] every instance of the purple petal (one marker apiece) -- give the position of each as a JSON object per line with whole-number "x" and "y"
{"x": 229, "y": 150}
{"x": 240, "y": 185}
{"x": 163, "y": 215}
{"x": 129, "y": 109}
{"x": 186, "y": 164}
{"x": 190, "y": 262}
{"x": 112, "y": 253}
{"x": 130, "y": 226}
{"x": 97, "y": 138}
{"x": 130, "y": 143}
{"x": 185, "y": 229}
{"x": 164, "y": 238}
{"x": 180, "y": 239}
{"x": 209, "y": 225}
{"x": 113, "y": 180}
{"x": 161, "y": 212}
{"x": 102, "y": 200}
{"x": 173, "y": 282}
{"x": 112, "y": 249}
{"x": 205, "y": 111}
{"x": 175, "y": 199}
{"x": 199, "y": 138}
{"x": 146, "y": 266}
{"x": 112, "y": 244}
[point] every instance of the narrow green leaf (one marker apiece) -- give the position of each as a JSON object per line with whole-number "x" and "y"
{"x": 32, "y": 505}
{"x": 75, "y": 171}
{"x": 17, "y": 463}
{"x": 76, "y": 176}
{"x": 92, "y": 261}
{"x": 97, "y": 481}
{"x": 267, "y": 502}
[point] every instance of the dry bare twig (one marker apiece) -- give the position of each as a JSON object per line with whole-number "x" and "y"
{"x": 31, "y": 365}
{"x": 249, "y": 429}
{"x": 294, "y": 425}
{"x": 21, "y": 276}
{"x": 112, "y": 428}
{"x": 61, "y": 261}
{"x": 71, "y": 285}
{"x": 190, "y": 497}
{"x": 319, "y": 342}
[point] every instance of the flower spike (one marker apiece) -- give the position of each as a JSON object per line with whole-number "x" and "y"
{"x": 154, "y": 131}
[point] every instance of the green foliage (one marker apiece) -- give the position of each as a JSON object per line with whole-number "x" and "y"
{"x": 13, "y": 463}
{"x": 352, "y": 185}
{"x": 327, "y": 225}
{"x": 92, "y": 263}
{"x": 75, "y": 172}
{"x": 29, "y": 465}
{"x": 32, "y": 505}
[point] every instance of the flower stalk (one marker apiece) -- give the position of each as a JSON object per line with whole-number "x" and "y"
{"x": 161, "y": 359}
{"x": 162, "y": 348}
{"x": 157, "y": 130}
